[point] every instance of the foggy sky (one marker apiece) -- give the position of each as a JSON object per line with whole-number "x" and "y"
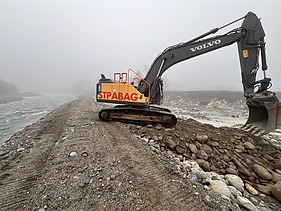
{"x": 51, "y": 45}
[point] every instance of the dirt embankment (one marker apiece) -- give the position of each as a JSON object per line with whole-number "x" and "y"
{"x": 70, "y": 160}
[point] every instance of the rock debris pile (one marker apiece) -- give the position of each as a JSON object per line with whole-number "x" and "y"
{"x": 242, "y": 167}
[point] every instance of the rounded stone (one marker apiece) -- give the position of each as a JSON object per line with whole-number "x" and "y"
{"x": 249, "y": 145}
{"x": 235, "y": 181}
{"x": 241, "y": 168}
{"x": 234, "y": 191}
{"x": 84, "y": 154}
{"x": 202, "y": 138}
{"x": 158, "y": 127}
{"x": 277, "y": 163}
{"x": 226, "y": 158}
{"x": 213, "y": 143}
{"x": 231, "y": 171}
{"x": 219, "y": 187}
{"x": 202, "y": 154}
{"x": 203, "y": 164}
{"x": 20, "y": 149}
{"x": 245, "y": 203}
{"x": 276, "y": 191}
{"x": 265, "y": 189}
{"x": 160, "y": 137}
{"x": 193, "y": 148}
{"x": 276, "y": 177}
{"x": 73, "y": 154}
{"x": 207, "y": 148}
{"x": 171, "y": 144}
{"x": 251, "y": 190}
{"x": 262, "y": 172}
{"x": 180, "y": 149}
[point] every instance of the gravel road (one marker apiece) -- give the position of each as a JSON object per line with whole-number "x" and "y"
{"x": 69, "y": 160}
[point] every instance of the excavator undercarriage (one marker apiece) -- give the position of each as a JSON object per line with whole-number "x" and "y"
{"x": 139, "y": 115}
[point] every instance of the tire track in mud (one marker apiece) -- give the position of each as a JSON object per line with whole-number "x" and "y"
{"x": 23, "y": 173}
{"x": 155, "y": 182}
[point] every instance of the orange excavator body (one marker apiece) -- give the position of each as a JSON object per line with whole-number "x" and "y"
{"x": 122, "y": 91}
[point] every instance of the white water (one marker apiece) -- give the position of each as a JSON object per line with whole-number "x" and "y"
{"x": 17, "y": 115}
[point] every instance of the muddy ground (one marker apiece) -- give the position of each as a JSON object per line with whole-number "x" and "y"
{"x": 70, "y": 160}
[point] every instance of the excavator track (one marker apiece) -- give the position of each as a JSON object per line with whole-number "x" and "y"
{"x": 139, "y": 115}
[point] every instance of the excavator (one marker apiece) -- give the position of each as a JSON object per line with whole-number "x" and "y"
{"x": 136, "y": 96}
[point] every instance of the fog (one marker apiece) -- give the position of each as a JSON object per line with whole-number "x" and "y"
{"x": 59, "y": 45}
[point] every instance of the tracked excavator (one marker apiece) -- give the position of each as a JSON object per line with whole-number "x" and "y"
{"x": 135, "y": 95}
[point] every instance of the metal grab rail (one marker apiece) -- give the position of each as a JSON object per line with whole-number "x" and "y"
{"x": 148, "y": 98}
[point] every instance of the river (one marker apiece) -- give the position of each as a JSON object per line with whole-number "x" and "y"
{"x": 15, "y": 116}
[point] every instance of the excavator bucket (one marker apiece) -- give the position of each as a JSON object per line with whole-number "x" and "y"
{"x": 264, "y": 115}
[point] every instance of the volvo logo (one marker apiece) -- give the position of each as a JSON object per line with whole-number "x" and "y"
{"x": 205, "y": 45}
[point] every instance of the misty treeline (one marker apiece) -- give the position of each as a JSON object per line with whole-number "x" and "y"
{"x": 7, "y": 88}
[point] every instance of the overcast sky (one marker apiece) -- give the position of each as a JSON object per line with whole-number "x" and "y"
{"x": 48, "y": 45}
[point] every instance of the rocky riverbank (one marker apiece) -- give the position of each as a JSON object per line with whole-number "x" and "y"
{"x": 240, "y": 166}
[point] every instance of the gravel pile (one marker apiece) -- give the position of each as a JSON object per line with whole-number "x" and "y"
{"x": 240, "y": 166}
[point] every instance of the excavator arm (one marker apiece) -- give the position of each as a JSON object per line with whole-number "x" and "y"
{"x": 250, "y": 40}
{"x": 182, "y": 52}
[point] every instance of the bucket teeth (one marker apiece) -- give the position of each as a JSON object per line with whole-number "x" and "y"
{"x": 253, "y": 130}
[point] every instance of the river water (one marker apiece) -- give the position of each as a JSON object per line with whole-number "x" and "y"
{"x": 15, "y": 116}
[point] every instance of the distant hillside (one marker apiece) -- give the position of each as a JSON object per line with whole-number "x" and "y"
{"x": 7, "y": 88}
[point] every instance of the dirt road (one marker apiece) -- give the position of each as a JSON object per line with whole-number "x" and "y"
{"x": 70, "y": 160}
